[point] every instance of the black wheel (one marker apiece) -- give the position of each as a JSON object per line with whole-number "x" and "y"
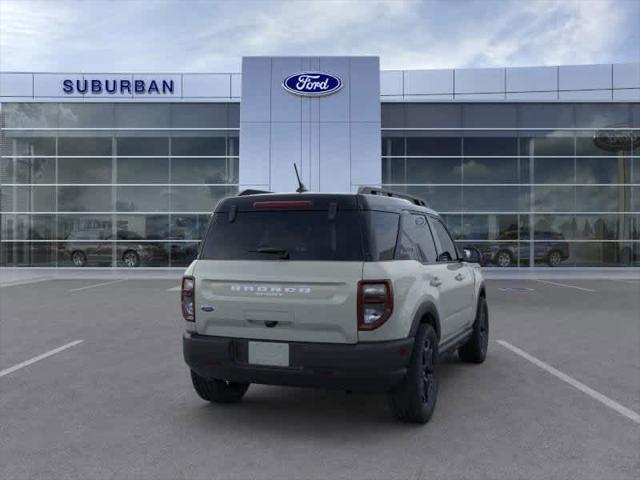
{"x": 218, "y": 391}
{"x": 415, "y": 400}
{"x": 554, "y": 258}
{"x": 130, "y": 259}
{"x": 475, "y": 350}
{"x": 504, "y": 258}
{"x": 79, "y": 259}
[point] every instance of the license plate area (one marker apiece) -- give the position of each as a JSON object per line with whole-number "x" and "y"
{"x": 274, "y": 354}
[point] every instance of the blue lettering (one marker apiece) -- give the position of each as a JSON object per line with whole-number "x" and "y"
{"x": 110, "y": 90}
{"x": 139, "y": 86}
{"x": 153, "y": 87}
{"x": 167, "y": 87}
{"x": 96, "y": 86}
{"x": 85, "y": 87}
{"x": 67, "y": 86}
{"x": 125, "y": 85}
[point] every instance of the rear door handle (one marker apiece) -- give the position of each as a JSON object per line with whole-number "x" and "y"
{"x": 459, "y": 277}
{"x": 435, "y": 282}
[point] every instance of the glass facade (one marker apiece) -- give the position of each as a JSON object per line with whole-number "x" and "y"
{"x": 108, "y": 184}
{"x": 133, "y": 184}
{"x": 527, "y": 184}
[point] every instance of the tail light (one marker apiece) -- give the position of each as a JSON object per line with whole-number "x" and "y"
{"x": 375, "y": 303}
{"x": 187, "y": 299}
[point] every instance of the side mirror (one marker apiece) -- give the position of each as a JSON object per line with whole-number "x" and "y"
{"x": 472, "y": 255}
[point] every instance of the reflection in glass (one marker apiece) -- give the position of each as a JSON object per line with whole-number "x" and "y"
{"x": 84, "y": 198}
{"x": 26, "y": 254}
{"x": 142, "y": 146}
{"x": 198, "y": 199}
{"x": 84, "y": 146}
{"x": 84, "y": 170}
{"x": 29, "y": 199}
{"x": 603, "y": 198}
{"x": 183, "y": 253}
{"x": 143, "y": 199}
{"x": 32, "y": 170}
{"x": 554, "y": 199}
{"x": 147, "y": 227}
{"x": 143, "y": 170}
{"x": 84, "y": 226}
{"x": 433, "y": 170}
{"x": 490, "y": 170}
{"x": 494, "y": 199}
{"x": 28, "y": 146}
{"x": 188, "y": 227}
{"x": 487, "y": 146}
{"x": 198, "y": 146}
{"x": 204, "y": 170}
{"x": 433, "y": 146}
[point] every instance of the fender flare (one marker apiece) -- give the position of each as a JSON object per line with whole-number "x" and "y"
{"x": 482, "y": 290}
{"x": 427, "y": 308}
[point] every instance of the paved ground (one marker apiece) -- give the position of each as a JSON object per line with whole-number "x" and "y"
{"x": 120, "y": 404}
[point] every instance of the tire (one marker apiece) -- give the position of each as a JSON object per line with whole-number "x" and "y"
{"x": 79, "y": 259}
{"x": 475, "y": 350}
{"x": 131, "y": 259}
{"x": 554, "y": 258}
{"x": 415, "y": 400}
{"x": 504, "y": 259}
{"x": 218, "y": 391}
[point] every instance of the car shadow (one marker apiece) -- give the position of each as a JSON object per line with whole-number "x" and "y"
{"x": 320, "y": 413}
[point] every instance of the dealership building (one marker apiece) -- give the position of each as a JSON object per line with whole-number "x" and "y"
{"x": 535, "y": 166}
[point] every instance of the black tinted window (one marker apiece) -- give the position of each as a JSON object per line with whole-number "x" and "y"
{"x": 383, "y": 231}
{"x": 447, "y": 250}
{"x": 303, "y": 235}
{"x": 415, "y": 241}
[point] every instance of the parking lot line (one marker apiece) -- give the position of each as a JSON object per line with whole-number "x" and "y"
{"x": 96, "y": 285}
{"x": 39, "y": 357}
{"x": 566, "y": 285}
{"x": 621, "y": 409}
{"x": 174, "y": 289}
{"x": 25, "y": 281}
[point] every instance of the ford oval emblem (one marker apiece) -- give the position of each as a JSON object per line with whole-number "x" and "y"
{"x": 312, "y": 84}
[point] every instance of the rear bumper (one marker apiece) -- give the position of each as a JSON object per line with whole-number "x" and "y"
{"x": 371, "y": 367}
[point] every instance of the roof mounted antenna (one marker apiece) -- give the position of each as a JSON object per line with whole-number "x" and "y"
{"x": 301, "y": 188}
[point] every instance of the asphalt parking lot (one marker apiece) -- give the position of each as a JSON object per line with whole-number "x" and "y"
{"x": 119, "y": 404}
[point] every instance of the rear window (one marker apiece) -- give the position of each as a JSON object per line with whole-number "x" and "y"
{"x": 294, "y": 235}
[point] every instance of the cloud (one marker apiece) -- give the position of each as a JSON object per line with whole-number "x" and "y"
{"x": 168, "y": 35}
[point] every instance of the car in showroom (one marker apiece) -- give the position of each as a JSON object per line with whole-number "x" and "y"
{"x": 95, "y": 247}
{"x": 549, "y": 247}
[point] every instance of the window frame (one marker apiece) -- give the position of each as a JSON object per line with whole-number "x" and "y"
{"x": 436, "y": 239}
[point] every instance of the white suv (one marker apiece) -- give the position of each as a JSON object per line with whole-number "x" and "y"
{"x": 359, "y": 292}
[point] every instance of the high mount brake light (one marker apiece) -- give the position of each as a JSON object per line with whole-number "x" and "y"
{"x": 283, "y": 204}
{"x": 188, "y": 298}
{"x": 375, "y": 303}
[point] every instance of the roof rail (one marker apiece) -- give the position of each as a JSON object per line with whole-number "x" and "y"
{"x": 250, "y": 191}
{"x": 389, "y": 193}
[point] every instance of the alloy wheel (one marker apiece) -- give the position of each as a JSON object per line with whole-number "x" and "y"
{"x": 428, "y": 371}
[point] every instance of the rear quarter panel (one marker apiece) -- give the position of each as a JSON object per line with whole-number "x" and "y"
{"x": 410, "y": 280}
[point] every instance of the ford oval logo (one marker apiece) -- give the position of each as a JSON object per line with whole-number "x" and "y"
{"x": 312, "y": 84}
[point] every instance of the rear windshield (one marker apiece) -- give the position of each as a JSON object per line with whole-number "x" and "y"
{"x": 290, "y": 235}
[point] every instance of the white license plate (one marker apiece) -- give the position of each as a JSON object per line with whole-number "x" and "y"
{"x": 269, "y": 353}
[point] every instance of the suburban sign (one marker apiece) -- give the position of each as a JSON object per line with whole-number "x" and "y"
{"x": 101, "y": 86}
{"x": 312, "y": 84}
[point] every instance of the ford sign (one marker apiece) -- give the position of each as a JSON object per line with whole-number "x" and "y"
{"x": 312, "y": 84}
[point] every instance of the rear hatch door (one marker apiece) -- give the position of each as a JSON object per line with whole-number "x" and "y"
{"x": 274, "y": 269}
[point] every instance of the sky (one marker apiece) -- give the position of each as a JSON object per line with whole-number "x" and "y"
{"x": 212, "y": 36}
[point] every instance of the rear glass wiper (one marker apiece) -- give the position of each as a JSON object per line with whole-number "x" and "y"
{"x": 283, "y": 252}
